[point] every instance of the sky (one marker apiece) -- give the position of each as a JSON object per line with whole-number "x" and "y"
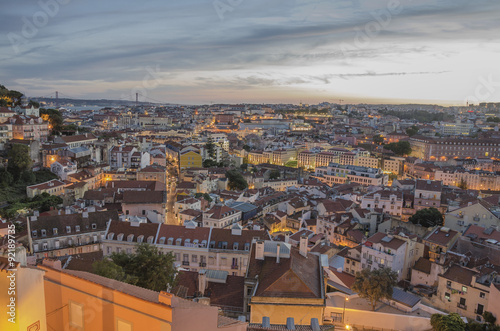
{"x": 253, "y": 51}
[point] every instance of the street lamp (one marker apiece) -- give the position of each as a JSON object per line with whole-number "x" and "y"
{"x": 343, "y": 314}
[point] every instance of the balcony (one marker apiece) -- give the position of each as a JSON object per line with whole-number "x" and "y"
{"x": 234, "y": 267}
{"x": 203, "y": 264}
{"x": 369, "y": 261}
{"x": 185, "y": 262}
{"x": 459, "y": 305}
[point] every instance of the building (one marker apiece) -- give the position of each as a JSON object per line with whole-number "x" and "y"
{"x": 28, "y": 311}
{"x": 190, "y": 157}
{"x": 153, "y": 172}
{"x": 94, "y": 302}
{"x": 479, "y": 213}
{"x": 151, "y": 204}
{"x": 220, "y": 216}
{"x": 29, "y": 128}
{"x": 382, "y": 250}
{"x": 390, "y": 202}
{"x": 339, "y": 174}
{"x": 284, "y": 282}
{"x": 439, "y": 240}
{"x": 68, "y": 233}
{"x": 457, "y": 128}
{"x": 52, "y": 187}
{"x": 194, "y": 247}
{"x": 464, "y": 291}
{"x": 76, "y": 140}
{"x": 427, "y": 194}
{"x": 433, "y": 149}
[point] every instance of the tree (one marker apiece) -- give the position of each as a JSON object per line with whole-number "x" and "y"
{"x": 375, "y": 285}
{"x": 210, "y": 147}
{"x": 19, "y": 160}
{"x": 209, "y": 163}
{"x": 6, "y": 178}
{"x": 236, "y": 180}
{"x": 275, "y": 174}
{"x": 451, "y": 322}
{"x": 400, "y": 148}
{"x": 462, "y": 184}
{"x": 378, "y": 139}
{"x": 147, "y": 267}
{"x": 411, "y": 131}
{"x": 493, "y": 119}
{"x": 54, "y": 117}
{"x": 244, "y": 166}
{"x": 34, "y": 104}
{"x": 427, "y": 217}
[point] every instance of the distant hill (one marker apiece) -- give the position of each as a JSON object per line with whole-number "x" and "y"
{"x": 90, "y": 102}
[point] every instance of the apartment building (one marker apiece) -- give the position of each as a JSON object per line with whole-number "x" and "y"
{"x": 284, "y": 282}
{"x": 68, "y": 233}
{"x": 29, "y": 128}
{"x": 479, "y": 213}
{"x": 434, "y": 149}
{"x": 391, "y": 202}
{"x": 427, "y": 194}
{"x": 465, "y": 291}
{"x": 220, "y": 216}
{"x": 52, "y": 187}
{"x": 279, "y": 184}
{"x": 339, "y": 174}
{"x": 382, "y": 250}
{"x": 194, "y": 248}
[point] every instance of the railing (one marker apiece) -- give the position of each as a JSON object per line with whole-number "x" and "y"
{"x": 479, "y": 312}
{"x": 185, "y": 262}
{"x": 459, "y": 305}
{"x": 203, "y": 264}
{"x": 234, "y": 267}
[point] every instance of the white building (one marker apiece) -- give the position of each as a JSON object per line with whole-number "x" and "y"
{"x": 381, "y": 250}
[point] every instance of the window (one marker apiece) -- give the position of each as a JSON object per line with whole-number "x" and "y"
{"x": 76, "y": 314}
{"x": 482, "y": 295}
{"x": 448, "y": 283}
{"x": 185, "y": 258}
{"x": 94, "y": 226}
{"x": 447, "y": 296}
{"x": 177, "y": 256}
{"x": 77, "y": 228}
{"x": 211, "y": 260}
{"x": 33, "y": 234}
{"x": 464, "y": 289}
{"x": 54, "y": 231}
{"x": 68, "y": 229}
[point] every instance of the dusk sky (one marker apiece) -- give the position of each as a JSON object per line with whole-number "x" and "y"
{"x": 228, "y": 51}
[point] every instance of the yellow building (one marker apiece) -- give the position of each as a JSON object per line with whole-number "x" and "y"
{"x": 21, "y": 299}
{"x": 190, "y": 157}
{"x": 284, "y": 282}
{"x": 78, "y": 300}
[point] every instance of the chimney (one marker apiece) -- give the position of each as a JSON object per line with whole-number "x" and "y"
{"x": 266, "y": 322}
{"x": 315, "y": 324}
{"x": 67, "y": 211}
{"x": 259, "y": 250}
{"x": 287, "y": 238}
{"x": 278, "y": 247}
{"x": 85, "y": 214}
{"x": 52, "y": 263}
{"x": 202, "y": 281}
{"x": 303, "y": 245}
{"x": 290, "y": 324}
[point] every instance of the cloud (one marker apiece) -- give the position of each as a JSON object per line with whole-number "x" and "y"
{"x": 257, "y": 44}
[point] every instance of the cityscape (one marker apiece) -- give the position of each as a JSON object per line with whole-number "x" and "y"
{"x": 232, "y": 165}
